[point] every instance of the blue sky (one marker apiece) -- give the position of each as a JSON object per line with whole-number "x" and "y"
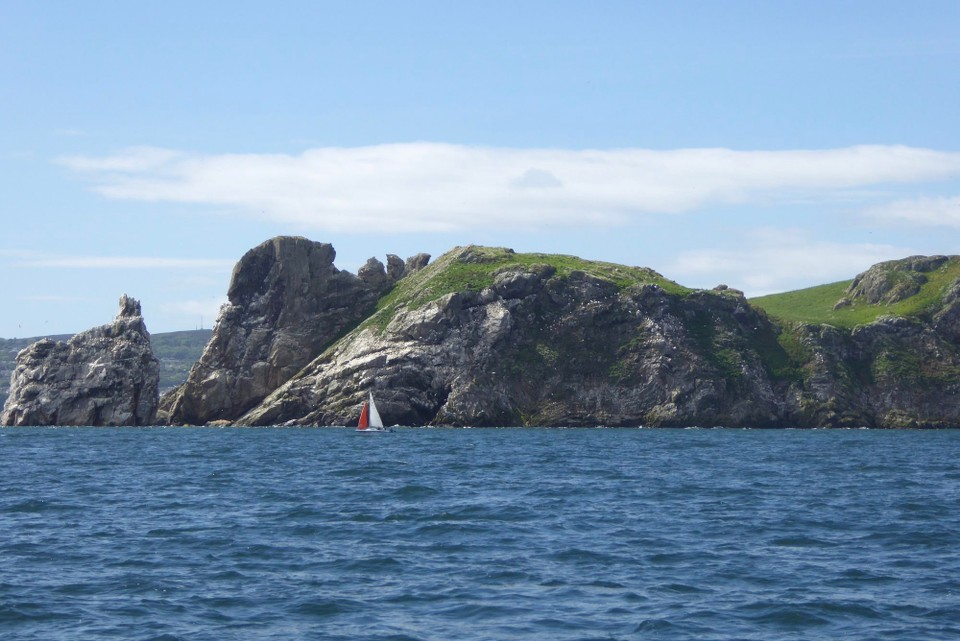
{"x": 765, "y": 145}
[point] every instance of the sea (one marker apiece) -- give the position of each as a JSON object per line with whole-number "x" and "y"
{"x": 166, "y": 534}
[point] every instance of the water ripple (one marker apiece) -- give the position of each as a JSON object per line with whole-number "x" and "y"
{"x": 430, "y": 535}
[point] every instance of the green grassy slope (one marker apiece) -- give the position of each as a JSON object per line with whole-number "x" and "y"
{"x": 815, "y": 305}
{"x": 476, "y": 268}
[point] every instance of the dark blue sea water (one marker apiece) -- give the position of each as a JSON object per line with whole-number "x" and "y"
{"x": 492, "y": 534}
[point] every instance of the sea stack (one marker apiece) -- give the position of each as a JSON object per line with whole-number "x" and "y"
{"x": 104, "y": 376}
{"x": 288, "y": 302}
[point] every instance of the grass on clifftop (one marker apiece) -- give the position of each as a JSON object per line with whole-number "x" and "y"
{"x": 814, "y": 305}
{"x": 476, "y": 268}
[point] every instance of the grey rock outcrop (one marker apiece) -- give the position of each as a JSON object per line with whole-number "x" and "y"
{"x": 485, "y": 336}
{"x": 892, "y": 281}
{"x": 374, "y": 275}
{"x": 536, "y": 348}
{"x": 893, "y": 372}
{"x": 104, "y": 376}
{"x": 416, "y": 263}
{"x": 287, "y": 302}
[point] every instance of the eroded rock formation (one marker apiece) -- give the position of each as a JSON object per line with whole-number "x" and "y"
{"x": 107, "y": 375}
{"x": 287, "y": 303}
{"x": 537, "y": 346}
{"x": 540, "y": 348}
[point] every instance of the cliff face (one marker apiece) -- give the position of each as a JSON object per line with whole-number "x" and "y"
{"x": 531, "y": 343}
{"x": 510, "y": 341}
{"x": 901, "y": 369}
{"x": 485, "y": 336}
{"x": 103, "y": 376}
{"x": 287, "y": 302}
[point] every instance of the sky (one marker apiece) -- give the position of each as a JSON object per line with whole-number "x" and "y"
{"x": 768, "y": 146}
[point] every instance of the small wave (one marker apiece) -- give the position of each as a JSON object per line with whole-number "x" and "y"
{"x": 856, "y": 577}
{"x": 484, "y": 611}
{"x": 684, "y": 588}
{"x": 579, "y": 556}
{"x": 787, "y": 617}
{"x": 78, "y": 589}
{"x": 415, "y": 492}
{"x": 135, "y": 563}
{"x": 376, "y": 565}
{"x": 324, "y": 608}
{"x": 24, "y": 612}
{"x": 303, "y": 511}
{"x": 228, "y": 575}
{"x": 446, "y": 528}
{"x": 607, "y": 585}
{"x": 681, "y": 558}
{"x": 846, "y": 609}
{"x": 131, "y": 611}
{"x": 801, "y": 542}
{"x": 656, "y": 626}
{"x": 39, "y": 506}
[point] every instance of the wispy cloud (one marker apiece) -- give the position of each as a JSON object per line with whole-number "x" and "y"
{"x": 130, "y": 161}
{"x": 441, "y": 187}
{"x": 27, "y": 259}
{"x": 928, "y": 212}
{"x": 775, "y": 260}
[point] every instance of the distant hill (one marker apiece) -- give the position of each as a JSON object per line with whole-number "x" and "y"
{"x": 176, "y": 351}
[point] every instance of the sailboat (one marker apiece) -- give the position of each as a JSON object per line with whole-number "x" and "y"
{"x": 370, "y": 417}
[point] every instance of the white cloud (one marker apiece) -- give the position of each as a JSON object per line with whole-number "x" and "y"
{"x": 441, "y": 187}
{"x": 132, "y": 160}
{"x": 931, "y": 212}
{"x": 536, "y": 179}
{"x": 776, "y": 260}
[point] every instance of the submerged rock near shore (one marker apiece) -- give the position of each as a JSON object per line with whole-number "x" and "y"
{"x": 104, "y": 376}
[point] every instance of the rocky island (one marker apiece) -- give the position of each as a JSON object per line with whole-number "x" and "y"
{"x": 104, "y": 376}
{"x": 287, "y": 302}
{"x": 486, "y": 336}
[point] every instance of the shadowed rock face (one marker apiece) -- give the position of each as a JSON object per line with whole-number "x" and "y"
{"x": 535, "y": 348}
{"x": 287, "y": 303}
{"x": 539, "y": 348}
{"x": 103, "y": 376}
{"x": 488, "y": 337}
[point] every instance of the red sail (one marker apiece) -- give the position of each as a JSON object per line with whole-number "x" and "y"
{"x": 364, "y": 418}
